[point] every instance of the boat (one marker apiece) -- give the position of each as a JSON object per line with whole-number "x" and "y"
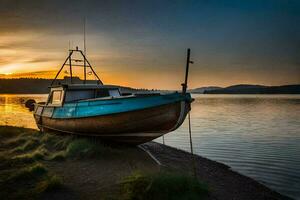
{"x": 96, "y": 109}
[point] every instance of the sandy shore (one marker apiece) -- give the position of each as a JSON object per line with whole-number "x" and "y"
{"x": 225, "y": 184}
{"x": 96, "y": 178}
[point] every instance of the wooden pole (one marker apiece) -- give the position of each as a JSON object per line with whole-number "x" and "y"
{"x": 184, "y": 88}
{"x": 184, "y": 85}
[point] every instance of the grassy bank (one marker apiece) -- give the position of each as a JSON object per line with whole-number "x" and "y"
{"x": 24, "y": 152}
{"x": 163, "y": 185}
{"x": 36, "y": 165}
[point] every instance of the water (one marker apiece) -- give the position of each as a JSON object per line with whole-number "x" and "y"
{"x": 13, "y": 111}
{"x": 256, "y": 135}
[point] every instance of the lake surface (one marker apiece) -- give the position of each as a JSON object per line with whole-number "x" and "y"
{"x": 256, "y": 135}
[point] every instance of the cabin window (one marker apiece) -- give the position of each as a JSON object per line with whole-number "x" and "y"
{"x": 102, "y": 93}
{"x": 56, "y": 97}
{"x": 75, "y": 95}
{"x": 114, "y": 93}
{"x": 39, "y": 110}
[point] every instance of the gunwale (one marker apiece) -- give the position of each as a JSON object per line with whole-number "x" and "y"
{"x": 104, "y": 107}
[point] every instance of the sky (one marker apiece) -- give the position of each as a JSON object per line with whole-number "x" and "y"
{"x": 143, "y": 43}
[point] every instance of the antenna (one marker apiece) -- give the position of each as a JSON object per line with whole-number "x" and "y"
{"x": 84, "y": 49}
{"x": 84, "y": 42}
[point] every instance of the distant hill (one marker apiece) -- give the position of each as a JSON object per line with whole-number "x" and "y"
{"x": 41, "y": 86}
{"x": 24, "y": 86}
{"x": 256, "y": 89}
{"x": 32, "y": 85}
{"x": 201, "y": 90}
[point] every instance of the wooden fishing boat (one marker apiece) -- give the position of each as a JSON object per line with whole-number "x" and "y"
{"x": 103, "y": 111}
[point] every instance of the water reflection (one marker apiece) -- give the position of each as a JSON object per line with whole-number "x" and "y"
{"x": 13, "y": 111}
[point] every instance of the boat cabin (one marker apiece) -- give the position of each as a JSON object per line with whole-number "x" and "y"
{"x": 80, "y": 92}
{"x": 73, "y": 92}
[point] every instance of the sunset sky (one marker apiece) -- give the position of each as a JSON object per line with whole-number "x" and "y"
{"x": 143, "y": 43}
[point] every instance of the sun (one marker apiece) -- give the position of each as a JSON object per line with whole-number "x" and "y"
{"x": 8, "y": 73}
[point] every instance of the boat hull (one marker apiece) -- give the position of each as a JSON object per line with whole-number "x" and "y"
{"x": 135, "y": 127}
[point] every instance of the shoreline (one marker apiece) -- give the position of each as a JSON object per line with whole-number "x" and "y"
{"x": 89, "y": 169}
{"x": 226, "y": 183}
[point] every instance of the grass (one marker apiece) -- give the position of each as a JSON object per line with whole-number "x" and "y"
{"x": 30, "y": 172}
{"x": 58, "y": 156}
{"x": 86, "y": 148}
{"x": 28, "y": 144}
{"x": 80, "y": 147}
{"x": 22, "y": 152}
{"x": 164, "y": 185}
{"x": 56, "y": 142}
{"x": 30, "y": 157}
{"x": 49, "y": 184}
{"x": 22, "y": 174}
{"x": 29, "y": 182}
{"x": 15, "y": 142}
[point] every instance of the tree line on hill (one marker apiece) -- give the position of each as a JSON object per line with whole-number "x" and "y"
{"x": 250, "y": 89}
{"x": 41, "y": 86}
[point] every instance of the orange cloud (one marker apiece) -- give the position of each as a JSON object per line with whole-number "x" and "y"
{"x": 39, "y": 74}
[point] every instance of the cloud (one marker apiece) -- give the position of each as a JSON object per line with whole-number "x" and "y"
{"x": 37, "y": 74}
{"x": 247, "y": 38}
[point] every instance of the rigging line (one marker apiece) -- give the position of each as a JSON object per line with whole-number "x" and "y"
{"x": 191, "y": 145}
{"x": 70, "y": 54}
{"x": 101, "y": 83}
{"x": 70, "y": 63}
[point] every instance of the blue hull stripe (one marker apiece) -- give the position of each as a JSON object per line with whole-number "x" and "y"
{"x": 114, "y": 106}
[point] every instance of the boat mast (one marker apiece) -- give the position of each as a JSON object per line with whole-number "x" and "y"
{"x": 188, "y": 62}
{"x": 71, "y": 64}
